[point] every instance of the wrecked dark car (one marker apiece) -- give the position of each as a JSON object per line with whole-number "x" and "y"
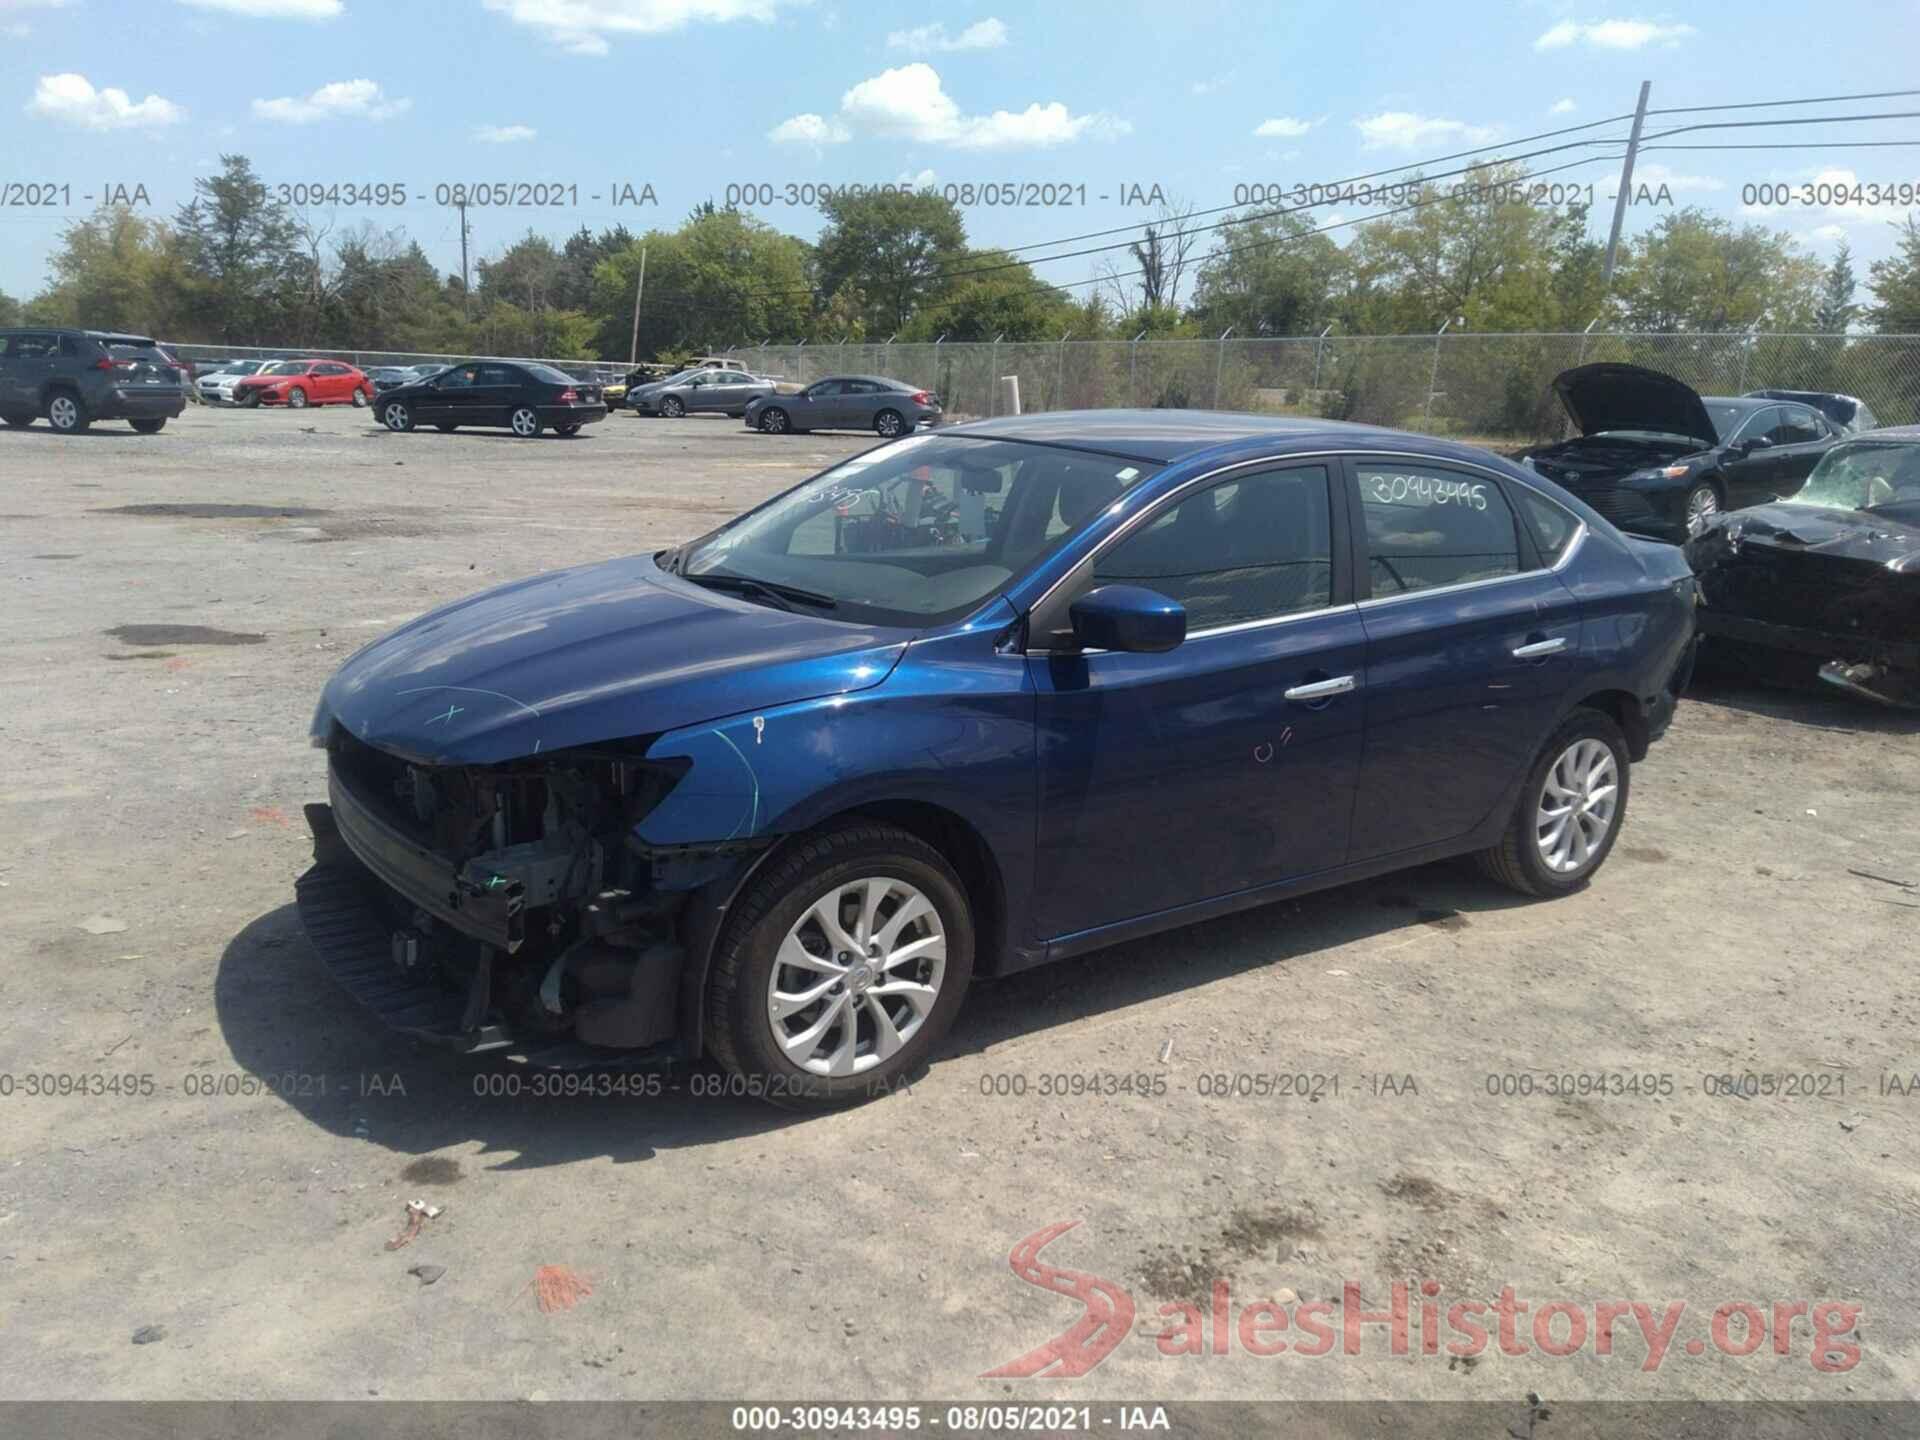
{"x": 1849, "y": 413}
{"x": 1657, "y": 458}
{"x": 965, "y": 703}
{"x": 1832, "y": 576}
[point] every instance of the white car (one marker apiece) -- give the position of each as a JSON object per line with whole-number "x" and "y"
{"x": 216, "y": 385}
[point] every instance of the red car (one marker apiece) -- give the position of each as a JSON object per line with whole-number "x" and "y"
{"x": 300, "y": 383}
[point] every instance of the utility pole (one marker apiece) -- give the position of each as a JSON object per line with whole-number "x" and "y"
{"x": 466, "y": 288}
{"x": 1626, "y": 186}
{"x": 633, "y": 350}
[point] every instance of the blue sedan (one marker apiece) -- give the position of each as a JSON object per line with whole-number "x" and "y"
{"x": 969, "y": 702}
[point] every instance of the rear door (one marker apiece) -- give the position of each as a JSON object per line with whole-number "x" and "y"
{"x": 495, "y": 393}
{"x": 1472, "y": 645}
{"x": 331, "y": 382}
{"x": 30, "y": 361}
{"x": 1230, "y": 761}
{"x": 862, "y": 402}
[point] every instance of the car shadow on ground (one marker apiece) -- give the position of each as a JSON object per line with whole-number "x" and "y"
{"x": 1798, "y": 697}
{"x": 302, "y": 1038}
{"x": 476, "y": 432}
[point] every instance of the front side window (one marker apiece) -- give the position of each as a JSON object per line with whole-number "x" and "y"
{"x": 912, "y": 533}
{"x": 288, "y": 367}
{"x": 1252, "y": 548}
{"x": 824, "y": 389}
{"x": 461, "y": 377}
{"x": 1427, "y": 527}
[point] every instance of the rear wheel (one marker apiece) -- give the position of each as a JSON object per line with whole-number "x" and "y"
{"x": 296, "y": 399}
{"x": 1569, "y": 812}
{"x": 66, "y": 414}
{"x": 568, "y": 430}
{"x": 398, "y": 415}
{"x": 773, "y": 421}
{"x": 360, "y": 399}
{"x": 889, "y": 423}
{"x": 843, "y": 965}
{"x": 673, "y": 407}
{"x": 525, "y": 422}
{"x": 151, "y": 426}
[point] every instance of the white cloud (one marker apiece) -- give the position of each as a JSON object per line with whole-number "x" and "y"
{"x": 1562, "y": 107}
{"x": 1829, "y": 234}
{"x": 919, "y": 181}
{"x": 72, "y": 100}
{"x": 910, "y": 103}
{"x": 581, "y": 26}
{"x": 274, "y": 9}
{"x": 341, "y": 100}
{"x": 1283, "y": 127}
{"x": 1613, "y": 35}
{"x": 988, "y": 34}
{"x": 1403, "y": 130}
{"x": 810, "y": 129}
{"x": 1654, "y": 174}
{"x": 1212, "y": 83}
{"x": 503, "y": 134}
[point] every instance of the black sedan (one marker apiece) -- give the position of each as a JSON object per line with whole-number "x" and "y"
{"x": 523, "y": 398}
{"x": 1832, "y": 576}
{"x": 1657, "y": 458}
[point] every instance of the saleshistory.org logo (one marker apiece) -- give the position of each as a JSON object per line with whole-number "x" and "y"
{"x": 1424, "y": 1326}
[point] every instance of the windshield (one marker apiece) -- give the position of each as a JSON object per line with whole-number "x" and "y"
{"x": 916, "y": 532}
{"x": 288, "y": 367}
{"x": 1863, "y": 474}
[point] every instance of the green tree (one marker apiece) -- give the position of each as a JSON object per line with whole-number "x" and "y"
{"x": 716, "y": 279}
{"x": 1695, "y": 271}
{"x": 240, "y": 247}
{"x": 1896, "y": 285}
{"x": 9, "y": 309}
{"x": 894, "y": 248}
{"x": 113, "y": 270}
{"x": 1000, "y": 297}
{"x": 1268, "y": 274}
{"x": 1837, "y": 309}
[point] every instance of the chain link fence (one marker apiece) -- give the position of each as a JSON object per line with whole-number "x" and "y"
{"x": 597, "y": 371}
{"x": 1493, "y": 388}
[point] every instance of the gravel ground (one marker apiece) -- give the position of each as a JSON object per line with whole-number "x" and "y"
{"x": 160, "y": 657}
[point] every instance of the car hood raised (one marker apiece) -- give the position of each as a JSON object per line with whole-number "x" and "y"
{"x": 1608, "y": 396}
{"x": 588, "y": 656}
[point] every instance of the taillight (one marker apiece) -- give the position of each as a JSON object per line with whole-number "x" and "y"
{"x": 921, "y": 397}
{"x": 565, "y": 397}
{"x": 103, "y": 363}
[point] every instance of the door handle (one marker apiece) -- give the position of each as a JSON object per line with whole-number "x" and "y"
{"x": 1540, "y": 649}
{"x": 1323, "y": 689}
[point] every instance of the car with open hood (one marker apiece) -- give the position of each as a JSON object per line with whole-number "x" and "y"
{"x": 1657, "y": 458}
{"x": 1831, "y": 576}
{"x": 967, "y": 702}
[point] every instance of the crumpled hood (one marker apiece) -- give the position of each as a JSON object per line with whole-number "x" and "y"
{"x": 587, "y": 656}
{"x": 1813, "y": 530}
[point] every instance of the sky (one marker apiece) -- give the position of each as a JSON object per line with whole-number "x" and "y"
{"x": 635, "y": 111}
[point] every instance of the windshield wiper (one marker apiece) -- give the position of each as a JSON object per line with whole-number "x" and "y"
{"x": 783, "y": 597}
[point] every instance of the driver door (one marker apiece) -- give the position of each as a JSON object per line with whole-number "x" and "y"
{"x": 1231, "y": 761}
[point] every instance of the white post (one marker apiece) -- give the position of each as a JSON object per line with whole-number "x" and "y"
{"x": 1219, "y": 364}
{"x": 1010, "y": 391}
{"x": 1433, "y": 375}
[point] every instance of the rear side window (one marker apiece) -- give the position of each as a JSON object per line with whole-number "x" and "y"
{"x": 1427, "y": 527}
{"x": 1252, "y": 548}
{"x": 1552, "y": 527}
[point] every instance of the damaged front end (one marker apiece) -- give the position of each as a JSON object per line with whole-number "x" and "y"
{"x": 505, "y": 907}
{"x": 1841, "y": 588}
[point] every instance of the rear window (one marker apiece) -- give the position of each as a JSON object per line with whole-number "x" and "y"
{"x": 127, "y": 350}
{"x": 548, "y": 375}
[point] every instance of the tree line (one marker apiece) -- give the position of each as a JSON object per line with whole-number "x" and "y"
{"x": 234, "y": 266}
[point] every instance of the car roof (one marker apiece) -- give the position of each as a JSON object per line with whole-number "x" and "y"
{"x": 872, "y": 379}
{"x": 1740, "y": 402}
{"x": 1907, "y": 433}
{"x": 1161, "y": 436}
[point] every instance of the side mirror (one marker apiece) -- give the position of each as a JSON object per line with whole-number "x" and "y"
{"x": 1128, "y": 618}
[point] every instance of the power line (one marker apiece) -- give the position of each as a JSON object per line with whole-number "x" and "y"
{"x": 1773, "y": 104}
{"x": 1790, "y": 120}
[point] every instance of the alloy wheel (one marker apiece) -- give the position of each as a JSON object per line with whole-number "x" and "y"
{"x": 887, "y": 424}
{"x": 1702, "y": 505}
{"x": 64, "y": 412}
{"x": 297, "y": 398}
{"x": 397, "y": 417}
{"x": 774, "y": 421}
{"x": 857, "y": 976}
{"x": 525, "y": 422}
{"x": 1578, "y": 803}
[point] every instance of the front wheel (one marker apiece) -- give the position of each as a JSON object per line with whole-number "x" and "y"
{"x": 841, "y": 968}
{"x": 773, "y": 421}
{"x": 673, "y": 407}
{"x": 397, "y": 415}
{"x": 296, "y": 399}
{"x": 1703, "y": 503}
{"x": 888, "y": 423}
{"x": 1570, "y": 810}
{"x": 361, "y": 399}
{"x": 525, "y": 422}
{"x": 151, "y": 426}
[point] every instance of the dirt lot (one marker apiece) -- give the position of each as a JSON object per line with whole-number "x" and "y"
{"x": 159, "y": 660}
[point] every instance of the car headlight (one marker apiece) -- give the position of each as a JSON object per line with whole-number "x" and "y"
{"x": 1660, "y": 472}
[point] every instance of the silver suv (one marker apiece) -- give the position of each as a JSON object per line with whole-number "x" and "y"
{"x": 74, "y": 377}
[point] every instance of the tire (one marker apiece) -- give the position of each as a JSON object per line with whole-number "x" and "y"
{"x": 151, "y": 426}
{"x": 445, "y": 427}
{"x": 67, "y": 413}
{"x": 774, "y": 421}
{"x": 296, "y": 398}
{"x": 889, "y": 423}
{"x": 780, "y": 907}
{"x": 250, "y": 400}
{"x": 18, "y": 419}
{"x": 397, "y": 416}
{"x": 1520, "y": 861}
{"x": 361, "y": 399}
{"x": 1701, "y": 505}
{"x": 525, "y": 422}
{"x": 567, "y": 430}
{"x": 673, "y": 407}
